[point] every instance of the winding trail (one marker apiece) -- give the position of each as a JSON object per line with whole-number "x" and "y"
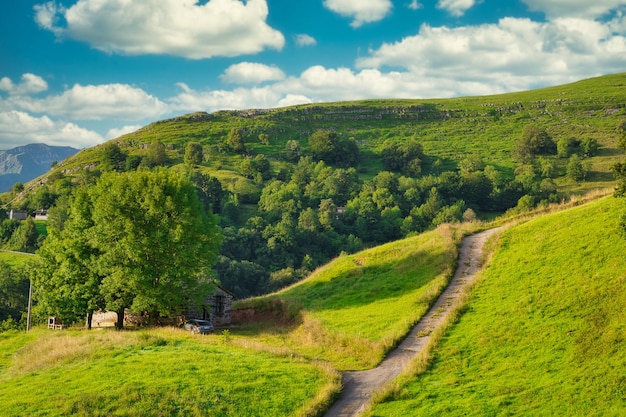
{"x": 358, "y": 386}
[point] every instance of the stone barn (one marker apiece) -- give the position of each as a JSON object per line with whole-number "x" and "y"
{"x": 217, "y": 308}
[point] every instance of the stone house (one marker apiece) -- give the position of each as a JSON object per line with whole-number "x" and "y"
{"x": 217, "y": 308}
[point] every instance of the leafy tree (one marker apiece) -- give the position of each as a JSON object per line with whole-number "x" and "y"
{"x": 25, "y": 237}
{"x": 156, "y": 155}
{"x": 575, "y": 168}
{"x": 112, "y": 157}
{"x": 13, "y": 292}
{"x": 235, "y": 142}
{"x": 589, "y": 146}
{"x": 144, "y": 242}
{"x": 327, "y": 146}
{"x": 193, "y": 154}
{"x": 68, "y": 285}
{"x": 156, "y": 242}
{"x": 264, "y": 138}
{"x": 293, "y": 151}
{"x": 533, "y": 141}
{"x": 566, "y": 146}
{"x": 619, "y": 170}
{"x": 210, "y": 192}
{"x": 18, "y": 187}
{"x": 402, "y": 157}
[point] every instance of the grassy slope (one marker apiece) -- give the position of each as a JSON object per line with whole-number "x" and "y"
{"x": 150, "y": 373}
{"x": 449, "y": 129}
{"x": 357, "y": 307}
{"x": 14, "y": 259}
{"x": 544, "y": 332}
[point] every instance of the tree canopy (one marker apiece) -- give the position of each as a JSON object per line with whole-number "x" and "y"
{"x": 139, "y": 240}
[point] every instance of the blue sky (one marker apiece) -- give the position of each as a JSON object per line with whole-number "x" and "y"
{"x": 80, "y": 72}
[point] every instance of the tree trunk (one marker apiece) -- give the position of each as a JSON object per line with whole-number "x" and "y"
{"x": 89, "y": 320}
{"x": 119, "y": 325}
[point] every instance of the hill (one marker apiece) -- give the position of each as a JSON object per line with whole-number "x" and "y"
{"x": 297, "y": 186}
{"x": 25, "y": 163}
{"x": 543, "y": 332}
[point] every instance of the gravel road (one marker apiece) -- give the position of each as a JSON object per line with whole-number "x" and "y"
{"x": 359, "y": 386}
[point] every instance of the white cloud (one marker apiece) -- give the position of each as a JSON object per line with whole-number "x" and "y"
{"x": 251, "y": 73}
{"x": 456, "y": 7}
{"x": 415, "y": 5}
{"x": 117, "y": 132}
{"x": 30, "y": 84}
{"x": 512, "y": 54}
{"x": 574, "y": 8}
{"x": 171, "y": 27}
{"x": 362, "y": 11}
{"x": 97, "y": 102}
{"x": 20, "y": 128}
{"x": 305, "y": 40}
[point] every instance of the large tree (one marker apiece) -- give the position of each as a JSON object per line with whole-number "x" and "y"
{"x": 149, "y": 240}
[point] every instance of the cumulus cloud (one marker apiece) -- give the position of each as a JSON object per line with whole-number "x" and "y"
{"x": 415, "y": 5}
{"x": 305, "y": 40}
{"x": 97, "y": 102}
{"x": 184, "y": 28}
{"x": 574, "y": 8}
{"x": 117, "y": 132}
{"x": 30, "y": 84}
{"x": 513, "y": 54}
{"x": 362, "y": 11}
{"x": 251, "y": 73}
{"x": 456, "y": 7}
{"x": 19, "y": 128}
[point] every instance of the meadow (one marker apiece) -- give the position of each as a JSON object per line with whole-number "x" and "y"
{"x": 353, "y": 310}
{"x": 543, "y": 332}
{"x": 158, "y": 372}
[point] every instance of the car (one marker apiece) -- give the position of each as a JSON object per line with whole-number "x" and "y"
{"x": 199, "y": 326}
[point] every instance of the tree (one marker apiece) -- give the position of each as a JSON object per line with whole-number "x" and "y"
{"x": 24, "y": 238}
{"x": 327, "y": 146}
{"x": 234, "y": 141}
{"x": 13, "y": 292}
{"x": 405, "y": 157}
{"x": 533, "y": 141}
{"x": 67, "y": 284}
{"x": 293, "y": 151}
{"x": 156, "y": 155}
{"x": 575, "y": 168}
{"x": 156, "y": 241}
{"x": 139, "y": 240}
{"x": 112, "y": 157}
{"x": 193, "y": 154}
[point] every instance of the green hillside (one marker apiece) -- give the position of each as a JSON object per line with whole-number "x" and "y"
{"x": 448, "y": 129}
{"x": 295, "y": 187}
{"x": 544, "y": 331}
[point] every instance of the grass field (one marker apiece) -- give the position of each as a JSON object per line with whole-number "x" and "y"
{"x": 14, "y": 259}
{"x": 544, "y": 331}
{"x": 153, "y": 373}
{"x": 353, "y": 310}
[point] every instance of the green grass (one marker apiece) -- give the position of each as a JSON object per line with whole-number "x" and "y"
{"x": 448, "y": 129}
{"x": 353, "y": 310}
{"x": 544, "y": 331}
{"x": 152, "y": 373}
{"x": 15, "y": 259}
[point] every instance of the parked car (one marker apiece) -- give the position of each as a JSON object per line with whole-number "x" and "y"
{"x": 199, "y": 326}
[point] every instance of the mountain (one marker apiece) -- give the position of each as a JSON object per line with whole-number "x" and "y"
{"x": 25, "y": 163}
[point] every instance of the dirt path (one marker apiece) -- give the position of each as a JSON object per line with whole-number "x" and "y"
{"x": 359, "y": 386}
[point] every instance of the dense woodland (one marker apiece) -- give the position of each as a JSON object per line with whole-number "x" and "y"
{"x": 283, "y": 214}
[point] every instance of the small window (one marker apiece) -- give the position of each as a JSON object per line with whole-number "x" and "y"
{"x": 219, "y": 305}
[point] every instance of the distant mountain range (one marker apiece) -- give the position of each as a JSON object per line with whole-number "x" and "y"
{"x": 25, "y": 163}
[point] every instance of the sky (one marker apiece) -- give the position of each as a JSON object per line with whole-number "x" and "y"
{"x": 80, "y": 72}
